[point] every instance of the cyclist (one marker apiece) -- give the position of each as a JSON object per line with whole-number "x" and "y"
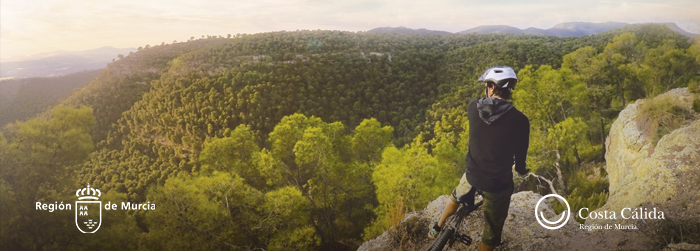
{"x": 499, "y": 136}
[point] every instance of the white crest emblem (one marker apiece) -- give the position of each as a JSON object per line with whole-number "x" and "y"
{"x": 88, "y": 209}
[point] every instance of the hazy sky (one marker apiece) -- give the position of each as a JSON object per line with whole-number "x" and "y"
{"x": 36, "y": 26}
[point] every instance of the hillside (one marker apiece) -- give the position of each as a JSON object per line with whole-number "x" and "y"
{"x": 257, "y": 80}
{"x": 21, "y": 99}
{"x": 316, "y": 140}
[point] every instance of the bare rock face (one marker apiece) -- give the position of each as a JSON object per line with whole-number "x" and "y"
{"x": 682, "y": 247}
{"x": 642, "y": 171}
{"x": 521, "y": 230}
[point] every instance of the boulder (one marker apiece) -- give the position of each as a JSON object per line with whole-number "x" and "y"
{"x": 642, "y": 171}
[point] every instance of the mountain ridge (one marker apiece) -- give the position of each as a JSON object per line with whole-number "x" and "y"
{"x": 405, "y": 30}
{"x": 566, "y": 29}
{"x": 62, "y": 53}
{"x": 59, "y": 62}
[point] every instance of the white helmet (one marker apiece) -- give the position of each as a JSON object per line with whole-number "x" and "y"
{"x": 502, "y": 76}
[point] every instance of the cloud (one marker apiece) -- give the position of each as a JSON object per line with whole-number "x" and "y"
{"x": 46, "y": 6}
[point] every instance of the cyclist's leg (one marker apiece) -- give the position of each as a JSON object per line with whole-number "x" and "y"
{"x": 495, "y": 213}
{"x": 459, "y": 194}
{"x": 485, "y": 247}
{"x": 450, "y": 209}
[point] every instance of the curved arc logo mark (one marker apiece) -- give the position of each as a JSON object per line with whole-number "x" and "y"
{"x": 552, "y": 224}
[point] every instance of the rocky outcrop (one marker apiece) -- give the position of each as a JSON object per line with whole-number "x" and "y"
{"x": 521, "y": 230}
{"x": 642, "y": 171}
{"x": 653, "y": 160}
{"x": 518, "y": 226}
{"x": 682, "y": 247}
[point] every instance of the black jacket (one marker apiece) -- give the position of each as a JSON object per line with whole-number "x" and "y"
{"x": 499, "y": 135}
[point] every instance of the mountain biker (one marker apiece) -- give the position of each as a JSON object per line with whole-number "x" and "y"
{"x": 499, "y": 136}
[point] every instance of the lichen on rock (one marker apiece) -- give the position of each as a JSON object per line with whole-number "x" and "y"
{"x": 641, "y": 170}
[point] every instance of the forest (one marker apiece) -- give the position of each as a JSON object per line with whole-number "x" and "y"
{"x": 314, "y": 140}
{"x": 22, "y": 99}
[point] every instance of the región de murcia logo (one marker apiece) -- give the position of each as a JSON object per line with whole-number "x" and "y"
{"x": 88, "y": 208}
{"x": 88, "y": 213}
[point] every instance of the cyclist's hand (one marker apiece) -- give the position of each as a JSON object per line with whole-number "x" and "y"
{"x": 524, "y": 172}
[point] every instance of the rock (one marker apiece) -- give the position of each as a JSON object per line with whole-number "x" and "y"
{"x": 520, "y": 232}
{"x": 409, "y": 234}
{"x": 641, "y": 171}
{"x": 682, "y": 247}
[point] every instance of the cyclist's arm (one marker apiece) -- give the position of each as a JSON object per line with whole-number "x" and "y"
{"x": 522, "y": 143}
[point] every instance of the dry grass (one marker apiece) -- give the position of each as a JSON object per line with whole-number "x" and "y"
{"x": 397, "y": 212}
{"x": 682, "y": 224}
{"x": 411, "y": 234}
{"x": 682, "y": 216}
{"x": 664, "y": 114}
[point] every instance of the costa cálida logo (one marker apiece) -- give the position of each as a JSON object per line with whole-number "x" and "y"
{"x": 552, "y": 224}
{"x": 88, "y": 209}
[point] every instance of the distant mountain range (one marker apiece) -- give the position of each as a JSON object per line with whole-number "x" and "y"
{"x": 409, "y": 31}
{"x": 66, "y": 62}
{"x": 570, "y": 29}
{"x": 573, "y": 29}
{"x": 59, "y": 63}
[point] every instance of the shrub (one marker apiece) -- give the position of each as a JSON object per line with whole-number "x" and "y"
{"x": 678, "y": 227}
{"x": 662, "y": 115}
{"x": 587, "y": 187}
{"x": 681, "y": 213}
{"x": 694, "y": 85}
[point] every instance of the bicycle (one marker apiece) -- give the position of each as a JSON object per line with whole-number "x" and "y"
{"x": 450, "y": 230}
